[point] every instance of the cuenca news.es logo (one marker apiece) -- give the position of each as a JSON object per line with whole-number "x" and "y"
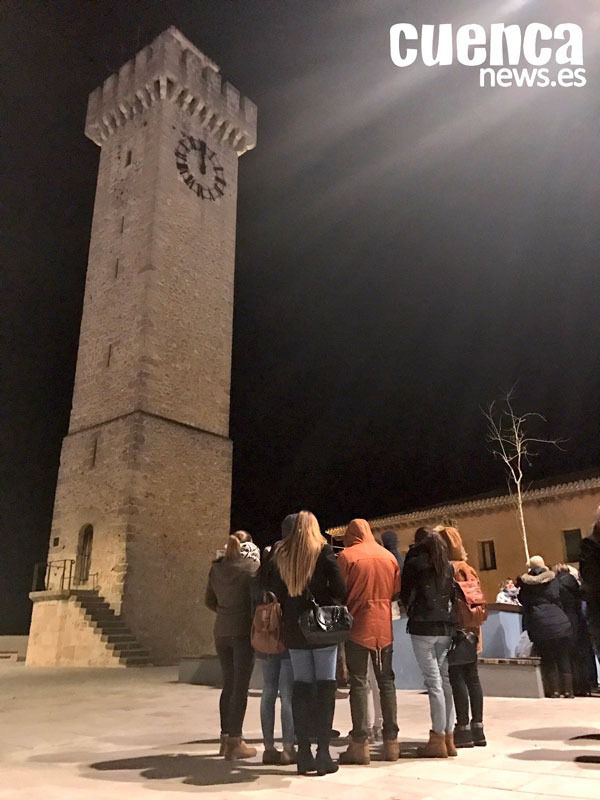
{"x": 554, "y": 56}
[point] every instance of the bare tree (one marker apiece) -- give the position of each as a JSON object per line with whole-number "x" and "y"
{"x": 511, "y": 442}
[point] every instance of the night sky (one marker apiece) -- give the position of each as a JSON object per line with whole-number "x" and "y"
{"x": 409, "y": 246}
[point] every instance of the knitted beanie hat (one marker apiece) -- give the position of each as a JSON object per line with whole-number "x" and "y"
{"x": 250, "y": 550}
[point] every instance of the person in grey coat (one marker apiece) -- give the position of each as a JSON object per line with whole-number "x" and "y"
{"x": 229, "y": 593}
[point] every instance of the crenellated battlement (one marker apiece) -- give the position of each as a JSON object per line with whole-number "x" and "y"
{"x": 171, "y": 69}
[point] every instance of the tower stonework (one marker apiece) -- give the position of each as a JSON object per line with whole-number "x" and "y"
{"x": 143, "y": 493}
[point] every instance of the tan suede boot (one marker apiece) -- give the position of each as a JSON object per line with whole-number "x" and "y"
{"x": 391, "y": 750}
{"x": 223, "y": 744}
{"x": 435, "y": 747}
{"x": 450, "y": 746}
{"x": 357, "y": 753}
{"x": 236, "y": 748}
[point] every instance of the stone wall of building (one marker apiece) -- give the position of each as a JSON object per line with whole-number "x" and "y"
{"x": 179, "y": 517}
{"x": 94, "y": 488}
{"x": 547, "y": 516}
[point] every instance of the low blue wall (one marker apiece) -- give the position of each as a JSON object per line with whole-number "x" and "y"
{"x": 407, "y": 672}
{"x": 501, "y": 632}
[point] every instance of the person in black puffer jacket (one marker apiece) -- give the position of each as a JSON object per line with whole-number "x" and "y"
{"x": 583, "y": 664}
{"x": 589, "y": 566}
{"x": 427, "y": 593}
{"x": 548, "y": 626}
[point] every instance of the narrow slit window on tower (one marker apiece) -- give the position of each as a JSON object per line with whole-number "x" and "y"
{"x": 117, "y": 268}
{"x": 94, "y": 451}
{"x": 128, "y": 159}
{"x": 122, "y": 224}
{"x": 109, "y": 355}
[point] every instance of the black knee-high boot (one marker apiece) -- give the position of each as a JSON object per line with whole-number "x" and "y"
{"x": 324, "y": 717}
{"x": 302, "y": 710}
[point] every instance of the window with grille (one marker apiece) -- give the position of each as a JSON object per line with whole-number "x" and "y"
{"x": 487, "y": 555}
{"x": 572, "y": 539}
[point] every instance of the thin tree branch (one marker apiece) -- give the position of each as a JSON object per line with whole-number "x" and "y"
{"x": 508, "y": 439}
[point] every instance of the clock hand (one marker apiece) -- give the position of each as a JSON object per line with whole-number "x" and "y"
{"x": 203, "y": 158}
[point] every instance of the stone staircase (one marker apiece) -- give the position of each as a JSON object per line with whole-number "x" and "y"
{"x": 111, "y": 629}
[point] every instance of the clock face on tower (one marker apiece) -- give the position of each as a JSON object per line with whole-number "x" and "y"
{"x": 199, "y": 168}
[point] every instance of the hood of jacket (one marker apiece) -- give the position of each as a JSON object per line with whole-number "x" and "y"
{"x": 229, "y": 570}
{"x": 591, "y": 543}
{"x": 372, "y": 577}
{"x": 287, "y": 526}
{"x": 358, "y": 532}
{"x": 230, "y": 586}
{"x": 538, "y": 576}
{"x": 418, "y": 556}
{"x": 454, "y": 543}
{"x": 390, "y": 541}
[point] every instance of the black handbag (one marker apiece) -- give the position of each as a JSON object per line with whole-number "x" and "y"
{"x": 463, "y": 649}
{"x": 323, "y": 626}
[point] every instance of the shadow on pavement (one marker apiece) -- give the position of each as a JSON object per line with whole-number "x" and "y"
{"x": 564, "y": 756}
{"x": 544, "y": 754}
{"x": 568, "y": 736}
{"x": 199, "y": 770}
{"x": 554, "y": 734}
{"x": 217, "y": 742}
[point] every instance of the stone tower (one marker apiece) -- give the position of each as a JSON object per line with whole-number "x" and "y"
{"x": 143, "y": 494}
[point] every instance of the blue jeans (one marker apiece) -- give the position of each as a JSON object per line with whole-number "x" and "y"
{"x": 278, "y": 679}
{"x": 431, "y": 653}
{"x": 310, "y": 666}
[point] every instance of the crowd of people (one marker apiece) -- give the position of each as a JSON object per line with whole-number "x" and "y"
{"x": 300, "y": 608}
{"x": 556, "y": 625}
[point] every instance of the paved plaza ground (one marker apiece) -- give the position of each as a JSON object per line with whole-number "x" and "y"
{"x": 79, "y": 734}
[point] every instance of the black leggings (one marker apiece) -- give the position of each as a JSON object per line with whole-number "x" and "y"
{"x": 464, "y": 679}
{"x": 237, "y": 660}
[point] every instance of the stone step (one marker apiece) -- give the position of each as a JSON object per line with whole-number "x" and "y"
{"x": 104, "y": 618}
{"x": 128, "y": 646}
{"x": 132, "y": 652}
{"x": 112, "y": 627}
{"x": 112, "y": 630}
{"x": 118, "y": 638}
{"x": 99, "y": 606}
{"x": 93, "y": 601}
{"x": 95, "y": 606}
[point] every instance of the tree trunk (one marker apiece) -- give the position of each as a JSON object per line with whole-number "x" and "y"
{"x": 522, "y": 522}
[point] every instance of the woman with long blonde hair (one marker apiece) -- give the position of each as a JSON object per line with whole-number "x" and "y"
{"x": 306, "y": 570}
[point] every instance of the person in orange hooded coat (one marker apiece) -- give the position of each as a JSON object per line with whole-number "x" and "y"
{"x": 372, "y": 577}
